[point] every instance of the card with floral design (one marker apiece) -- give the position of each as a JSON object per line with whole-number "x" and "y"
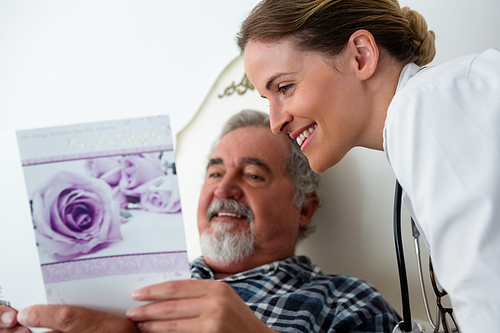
{"x": 105, "y": 209}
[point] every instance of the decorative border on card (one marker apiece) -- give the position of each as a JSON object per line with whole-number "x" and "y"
{"x": 73, "y": 157}
{"x": 171, "y": 262}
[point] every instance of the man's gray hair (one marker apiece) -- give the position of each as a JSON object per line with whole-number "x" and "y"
{"x": 304, "y": 180}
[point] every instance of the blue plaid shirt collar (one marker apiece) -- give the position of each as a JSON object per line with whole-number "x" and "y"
{"x": 299, "y": 266}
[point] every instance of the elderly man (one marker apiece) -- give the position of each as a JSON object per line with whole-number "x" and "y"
{"x": 257, "y": 201}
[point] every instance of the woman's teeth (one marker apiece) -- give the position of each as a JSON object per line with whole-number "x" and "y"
{"x": 302, "y": 137}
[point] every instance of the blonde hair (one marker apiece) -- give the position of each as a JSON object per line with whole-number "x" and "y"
{"x": 325, "y": 26}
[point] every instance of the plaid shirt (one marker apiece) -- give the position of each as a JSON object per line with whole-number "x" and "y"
{"x": 295, "y": 296}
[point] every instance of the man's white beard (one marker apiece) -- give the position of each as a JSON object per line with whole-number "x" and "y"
{"x": 226, "y": 246}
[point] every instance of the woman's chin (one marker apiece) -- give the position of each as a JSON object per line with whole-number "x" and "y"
{"x": 320, "y": 162}
{"x": 318, "y": 165}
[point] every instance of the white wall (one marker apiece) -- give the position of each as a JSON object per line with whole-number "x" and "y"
{"x": 77, "y": 61}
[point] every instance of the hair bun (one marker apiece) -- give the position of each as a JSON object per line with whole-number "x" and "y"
{"x": 423, "y": 38}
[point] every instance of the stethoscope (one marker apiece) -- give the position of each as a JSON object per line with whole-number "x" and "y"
{"x": 407, "y": 325}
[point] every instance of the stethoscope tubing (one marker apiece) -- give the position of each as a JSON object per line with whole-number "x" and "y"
{"x": 403, "y": 279}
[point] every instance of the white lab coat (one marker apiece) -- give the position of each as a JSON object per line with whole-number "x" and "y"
{"x": 442, "y": 138}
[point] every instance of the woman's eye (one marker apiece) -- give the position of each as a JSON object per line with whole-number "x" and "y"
{"x": 284, "y": 89}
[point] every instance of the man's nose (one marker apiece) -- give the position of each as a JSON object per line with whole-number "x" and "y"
{"x": 228, "y": 188}
{"x": 279, "y": 118}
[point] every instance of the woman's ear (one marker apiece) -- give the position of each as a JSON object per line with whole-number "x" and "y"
{"x": 364, "y": 53}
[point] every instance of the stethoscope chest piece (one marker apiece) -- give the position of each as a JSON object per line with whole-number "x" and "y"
{"x": 414, "y": 328}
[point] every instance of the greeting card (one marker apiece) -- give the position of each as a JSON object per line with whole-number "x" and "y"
{"x": 101, "y": 214}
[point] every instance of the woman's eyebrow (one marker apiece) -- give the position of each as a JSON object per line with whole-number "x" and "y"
{"x": 272, "y": 78}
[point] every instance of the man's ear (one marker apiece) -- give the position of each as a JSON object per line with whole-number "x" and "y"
{"x": 364, "y": 53}
{"x": 308, "y": 210}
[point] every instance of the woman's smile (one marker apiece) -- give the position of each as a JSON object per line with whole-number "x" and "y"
{"x": 301, "y": 135}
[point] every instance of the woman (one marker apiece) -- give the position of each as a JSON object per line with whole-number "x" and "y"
{"x": 346, "y": 73}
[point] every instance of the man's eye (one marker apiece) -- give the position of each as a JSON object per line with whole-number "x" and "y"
{"x": 284, "y": 89}
{"x": 255, "y": 177}
{"x": 214, "y": 175}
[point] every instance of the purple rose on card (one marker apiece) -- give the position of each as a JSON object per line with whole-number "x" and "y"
{"x": 139, "y": 169}
{"x": 105, "y": 168}
{"x": 159, "y": 195}
{"x": 74, "y": 215}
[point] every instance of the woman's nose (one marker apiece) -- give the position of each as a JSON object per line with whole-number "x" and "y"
{"x": 280, "y": 120}
{"x": 228, "y": 189}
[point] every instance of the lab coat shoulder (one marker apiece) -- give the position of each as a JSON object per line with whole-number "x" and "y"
{"x": 451, "y": 108}
{"x": 442, "y": 140}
